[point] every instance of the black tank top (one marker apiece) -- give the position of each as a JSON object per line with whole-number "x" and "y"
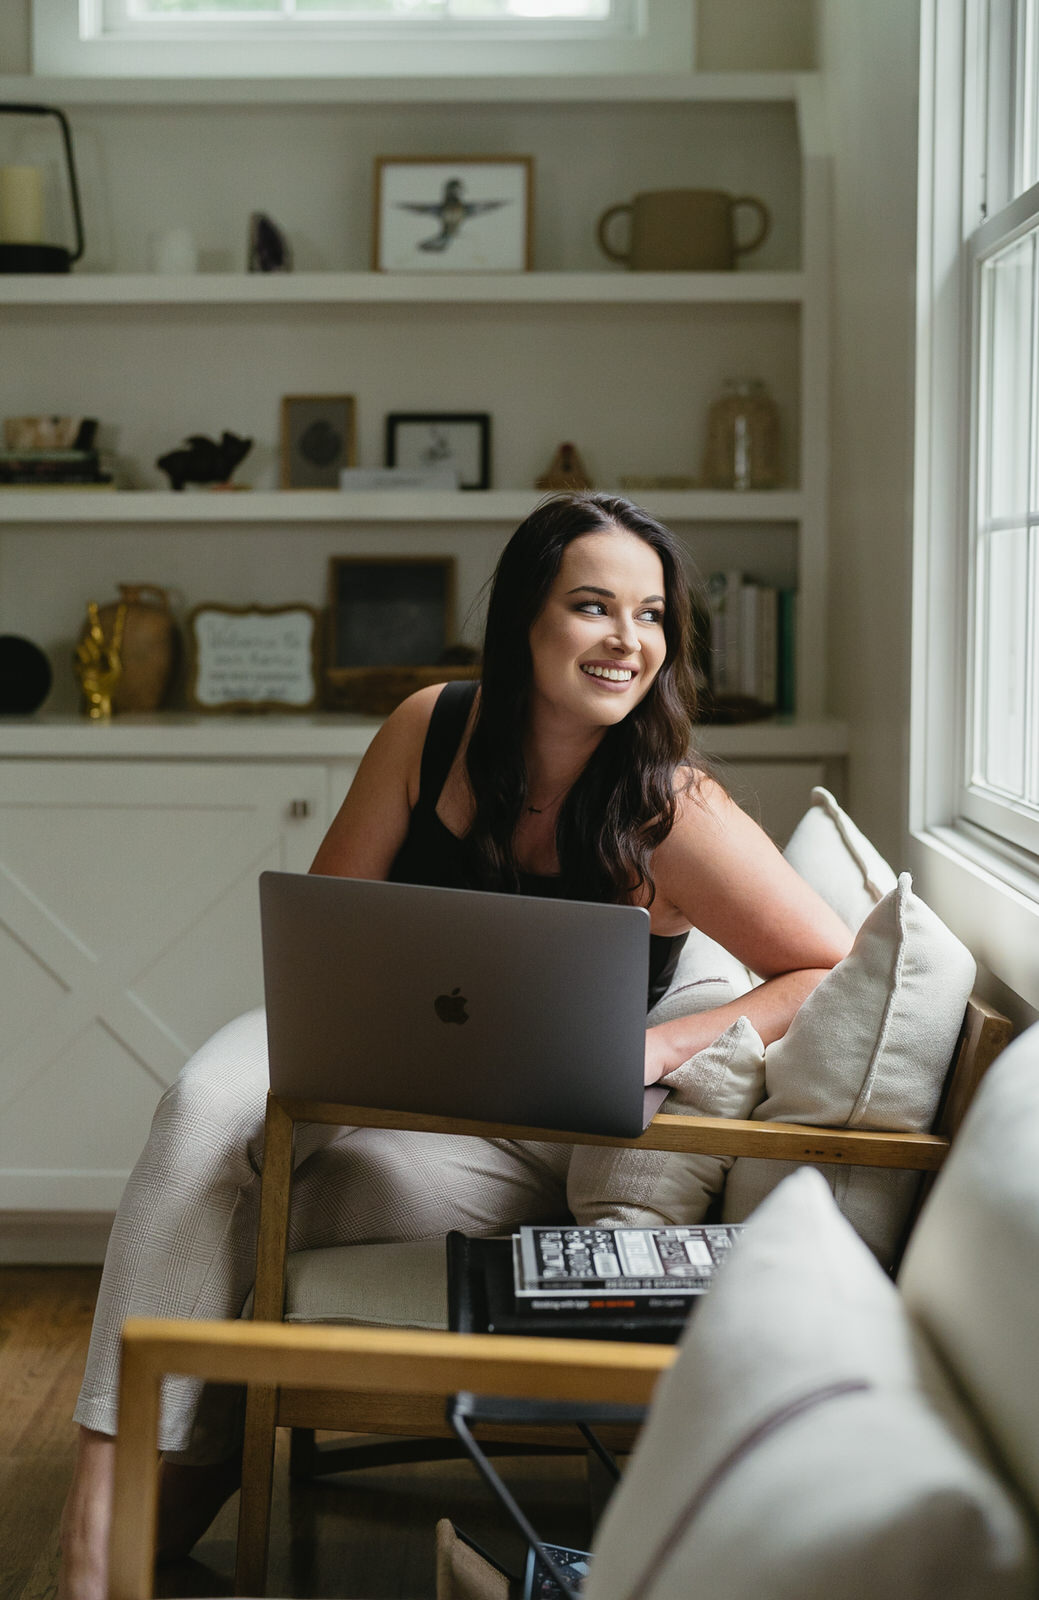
{"x": 432, "y": 854}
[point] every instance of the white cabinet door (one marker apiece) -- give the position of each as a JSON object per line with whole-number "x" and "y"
{"x": 129, "y": 932}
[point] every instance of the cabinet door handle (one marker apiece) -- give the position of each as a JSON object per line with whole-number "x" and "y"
{"x": 299, "y": 808}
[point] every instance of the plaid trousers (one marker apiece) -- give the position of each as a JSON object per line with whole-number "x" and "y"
{"x": 184, "y": 1239}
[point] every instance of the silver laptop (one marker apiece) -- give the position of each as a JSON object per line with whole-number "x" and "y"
{"x": 504, "y": 1008}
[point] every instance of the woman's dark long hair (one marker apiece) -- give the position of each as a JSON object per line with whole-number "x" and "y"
{"x": 623, "y": 802}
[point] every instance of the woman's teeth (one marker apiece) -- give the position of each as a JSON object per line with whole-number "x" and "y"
{"x": 613, "y": 674}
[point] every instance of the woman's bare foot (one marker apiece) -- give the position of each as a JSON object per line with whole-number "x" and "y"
{"x": 86, "y": 1520}
{"x": 189, "y": 1499}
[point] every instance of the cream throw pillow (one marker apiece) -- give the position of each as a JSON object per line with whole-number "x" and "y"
{"x": 869, "y": 1048}
{"x": 836, "y": 858}
{"x": 805, "y": 1443}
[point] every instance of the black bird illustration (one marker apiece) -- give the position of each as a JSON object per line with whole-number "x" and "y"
{"x": 451, "y": 210}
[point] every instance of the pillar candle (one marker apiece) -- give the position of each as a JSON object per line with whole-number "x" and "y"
{"x": 21, "y": 205}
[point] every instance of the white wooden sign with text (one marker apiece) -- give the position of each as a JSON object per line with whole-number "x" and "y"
{"x": 253, "y": 658}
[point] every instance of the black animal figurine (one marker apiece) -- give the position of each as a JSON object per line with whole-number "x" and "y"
{"x": 202, "y": 460}
{"x": 269, "y": 250}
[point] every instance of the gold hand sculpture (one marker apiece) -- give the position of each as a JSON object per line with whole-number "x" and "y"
{"x": 98, "y": 662}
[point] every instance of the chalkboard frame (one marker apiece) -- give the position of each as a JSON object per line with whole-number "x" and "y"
{"x": 247, "y": 687}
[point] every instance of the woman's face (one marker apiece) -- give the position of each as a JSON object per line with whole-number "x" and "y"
{"x": 598, "y": 641}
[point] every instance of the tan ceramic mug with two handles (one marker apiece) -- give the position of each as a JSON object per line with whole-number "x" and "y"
{"x": 683, "y": 230}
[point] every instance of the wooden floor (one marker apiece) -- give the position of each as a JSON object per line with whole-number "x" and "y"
{"x": 365, "y": 1534}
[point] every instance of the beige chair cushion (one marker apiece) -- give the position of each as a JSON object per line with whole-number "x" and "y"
{"x": 380, "y": 1285}
{"x": 870, "y": 1048}
{"x": 807, "y": 1445}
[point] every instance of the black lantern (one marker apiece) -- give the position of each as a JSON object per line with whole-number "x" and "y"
{"x": 22, "y": 207}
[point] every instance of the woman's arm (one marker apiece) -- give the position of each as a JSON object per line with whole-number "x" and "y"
{"x": 372, "y": 821}
{"x": 723, "y": 873}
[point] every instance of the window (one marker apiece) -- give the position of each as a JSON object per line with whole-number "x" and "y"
{"x": 1000, "y": 789}
{"x": 1000, "y": 781}
{"x": 975, "y": 738}
{"x": 428, "y": 18}
{"x": 357, "y": 38}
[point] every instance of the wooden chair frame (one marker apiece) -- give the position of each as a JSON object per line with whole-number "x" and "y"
{"x": 415, "y": 1410}
{"x": 371, "y": 1361}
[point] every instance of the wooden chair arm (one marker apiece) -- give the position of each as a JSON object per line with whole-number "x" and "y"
{"x": 375, "y": 1360}
{"x": 714, "y": 1136}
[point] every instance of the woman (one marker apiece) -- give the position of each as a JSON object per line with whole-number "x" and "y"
{"x": 566, "y": 773}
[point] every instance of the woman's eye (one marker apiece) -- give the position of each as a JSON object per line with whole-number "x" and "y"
{"x": 651, "y": 615}
{"x": 592, "y": 608}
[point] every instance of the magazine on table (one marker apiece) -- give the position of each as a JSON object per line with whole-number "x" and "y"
{"x": 651, "y": 1266}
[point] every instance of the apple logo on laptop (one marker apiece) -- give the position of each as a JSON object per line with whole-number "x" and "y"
{"x": 451, "y": 1007}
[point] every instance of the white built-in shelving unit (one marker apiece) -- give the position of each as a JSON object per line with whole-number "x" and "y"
{"x": 624, "y": 363}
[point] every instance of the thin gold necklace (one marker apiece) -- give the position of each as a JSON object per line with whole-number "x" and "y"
{"x": 537, "y": 811}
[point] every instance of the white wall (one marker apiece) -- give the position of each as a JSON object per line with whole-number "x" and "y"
{"x": 869, "y": 58}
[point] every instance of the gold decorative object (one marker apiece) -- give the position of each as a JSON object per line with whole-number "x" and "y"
{"x": 566, "y": 471}
{"x": 98, "y": 662}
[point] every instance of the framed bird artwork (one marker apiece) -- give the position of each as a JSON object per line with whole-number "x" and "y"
{"x": 453, "y": 214}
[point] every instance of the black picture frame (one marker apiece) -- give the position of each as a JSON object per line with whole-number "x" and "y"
{"x": 418, "y": 439}
{"x": 390, "y": 611}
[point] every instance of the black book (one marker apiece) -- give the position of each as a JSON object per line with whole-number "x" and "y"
{"x": 481, "y": 1299}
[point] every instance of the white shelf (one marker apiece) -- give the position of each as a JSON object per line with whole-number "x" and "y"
{"x": 63, "y": 507}
{"x": 271, "y": 93}
{"x": 170, "y": 736}
{"x": 365, "y": 288}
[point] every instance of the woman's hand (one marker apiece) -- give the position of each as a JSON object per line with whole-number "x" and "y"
{"x": 657, "y": 1057}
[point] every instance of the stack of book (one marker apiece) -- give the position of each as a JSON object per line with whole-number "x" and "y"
{"x": 53, "y": 469}
{"x": 585, "y": 1282}
{"x": 752, "y": 640}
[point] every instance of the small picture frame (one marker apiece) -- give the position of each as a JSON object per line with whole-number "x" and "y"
{"x": 453, "y": 214}
{"x": 390, "y": 611}
{"x": 429, "y": 440}
{"x": 253, "y": 658}
{"x": 318, "y": 439}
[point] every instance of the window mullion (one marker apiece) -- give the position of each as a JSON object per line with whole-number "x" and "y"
{"x": 1031, "y": 643}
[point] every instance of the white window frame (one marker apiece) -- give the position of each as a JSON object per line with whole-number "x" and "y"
{"x": 657, "y": 37}
{"x": 987, "y": 891}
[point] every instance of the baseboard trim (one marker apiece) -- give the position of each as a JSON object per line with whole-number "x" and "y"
{"x": 53, "y": 1239}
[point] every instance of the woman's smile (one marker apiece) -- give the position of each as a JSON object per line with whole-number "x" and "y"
{"x": 608, "y": 674}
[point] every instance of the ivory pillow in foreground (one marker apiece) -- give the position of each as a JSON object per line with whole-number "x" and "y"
{"x": 971, "y": 1273}
{"x": 805, "y": 1444}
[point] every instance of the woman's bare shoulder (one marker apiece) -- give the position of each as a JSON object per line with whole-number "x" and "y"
{"x": 372, "y": 821}
{"x": 398, "y": 743}
{"x": 417, "y": 708}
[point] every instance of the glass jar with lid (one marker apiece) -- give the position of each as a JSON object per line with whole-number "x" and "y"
{"x": 742, "y": 447}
